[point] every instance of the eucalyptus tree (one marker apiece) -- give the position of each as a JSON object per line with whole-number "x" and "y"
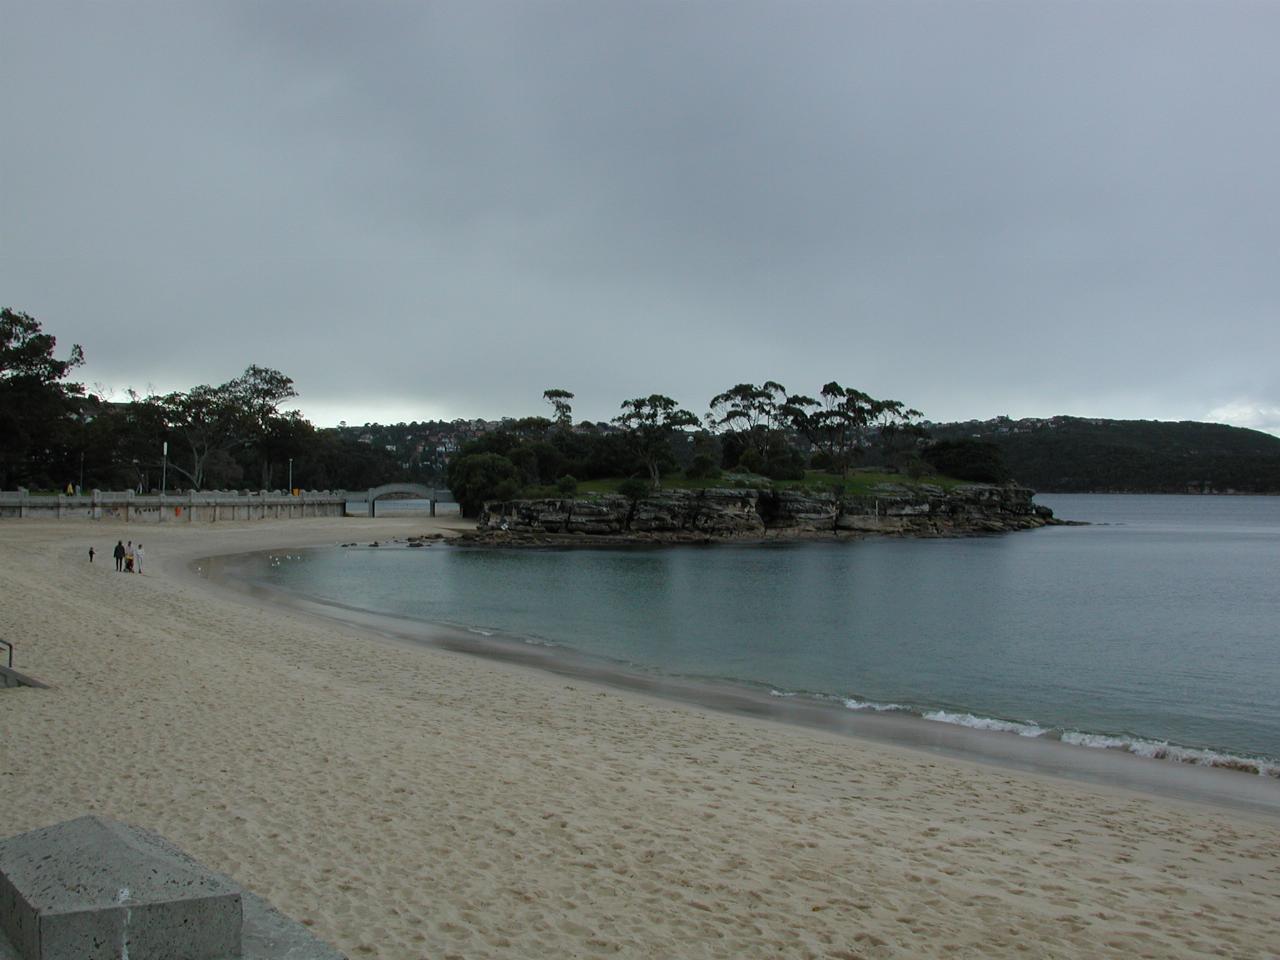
{"x": 256, "y": 396}
{"x": 36, "y": 407}
{"x": 205, "y": 424}
{"x": 752, "y": 412}
{"x": 211, "y": 425}
{"x": 897, "y": 425}
{"x": 559, "y": 400}
{"x": 835, "y": 423}
{"x": 650, "y": 423}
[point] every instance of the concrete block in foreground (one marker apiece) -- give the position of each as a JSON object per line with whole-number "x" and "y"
{"x": 96, "y": 889}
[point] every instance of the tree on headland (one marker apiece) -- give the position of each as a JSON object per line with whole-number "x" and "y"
{"x": 752, "y": 413}
{"x": 834, "y": 423}
{"x": 559, "y": 400}
{"x": 36, "y": 407}
{"x": 898, "y": 427}
{"x": 650, "y": 423}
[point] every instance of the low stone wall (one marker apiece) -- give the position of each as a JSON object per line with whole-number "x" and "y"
{"x": 10, "y": 677}
{"x": 204, "y": 506}
{"x": 730, "y": 513}
{"x": 96, "y": 888}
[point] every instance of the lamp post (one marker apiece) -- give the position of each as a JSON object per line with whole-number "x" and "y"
{"x": 291, "y": 476}
{"x": 164, "y": 469}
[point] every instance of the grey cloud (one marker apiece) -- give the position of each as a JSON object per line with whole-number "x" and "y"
{"x": 977, "y": 208}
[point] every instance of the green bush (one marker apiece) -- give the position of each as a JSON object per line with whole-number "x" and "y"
{"x": 634, "y": 488}
{"x": 751, "y": 461}
{"x": 702, "y": 467}
{"x": 508, "y": 490}
{"x": 478, "y": 477}
{"x": 567, "y": 485}
{"x": 788, "y": 466}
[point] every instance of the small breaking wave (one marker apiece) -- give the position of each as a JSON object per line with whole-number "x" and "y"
{"x": 853, "y": 703}
{"x": 1021, "y": 728}
{"x": 1138, "y": 746}
{"x": 1163, "y": 750}
{"x": 1149, "y": 749}
{"x": 850, "y": 703}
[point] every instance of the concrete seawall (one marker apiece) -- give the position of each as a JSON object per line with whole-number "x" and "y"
{"x": 192, "y": 507}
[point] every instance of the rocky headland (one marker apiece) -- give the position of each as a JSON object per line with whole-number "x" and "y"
{"x": 730, "y": 513}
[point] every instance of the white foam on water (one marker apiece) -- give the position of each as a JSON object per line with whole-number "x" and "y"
{"x": 483, "y": 633}
{"x": 1163, "y": 750}
{"x": 539, "y": 642}
{"x": 986, "y": 723}
{"x": 852, "y": 703}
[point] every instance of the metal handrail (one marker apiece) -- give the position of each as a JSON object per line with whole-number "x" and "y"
{"x": 9, "y": 646}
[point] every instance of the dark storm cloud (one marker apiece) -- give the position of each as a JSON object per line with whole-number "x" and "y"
{"x": 415, "y": 209}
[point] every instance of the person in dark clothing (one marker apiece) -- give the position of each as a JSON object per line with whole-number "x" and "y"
{"x": 118, "y": 553}
{"x": 91, "y": 553}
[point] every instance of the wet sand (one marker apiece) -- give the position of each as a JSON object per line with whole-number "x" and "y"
{"x": 409, "y": 800}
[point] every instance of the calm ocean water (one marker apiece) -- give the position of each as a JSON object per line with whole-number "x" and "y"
{"x": 1156, "y": 629}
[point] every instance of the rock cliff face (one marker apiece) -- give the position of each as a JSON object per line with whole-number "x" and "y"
{"x": 736, "y": 514}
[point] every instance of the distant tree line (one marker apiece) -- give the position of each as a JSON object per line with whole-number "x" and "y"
{"x": 1078, "y": 455}
{"x": 238, "y": 433}
{"x": 242, "y": 433}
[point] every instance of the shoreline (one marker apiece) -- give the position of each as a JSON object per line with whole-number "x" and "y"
{"x": 425, "y": 802}
{"x": 1211, "y": 783}
{"x": 730, "y": 513}
{"x": 503, "y": 539}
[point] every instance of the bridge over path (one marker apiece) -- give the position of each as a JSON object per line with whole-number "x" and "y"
{"x": 417, "y": 490}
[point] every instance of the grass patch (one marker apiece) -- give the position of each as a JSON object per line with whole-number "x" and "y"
{"x": 862, "y": 482}
{"x": 859, "y": 482}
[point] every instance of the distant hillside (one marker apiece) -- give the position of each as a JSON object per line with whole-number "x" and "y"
{"x": 1075, "y": 455}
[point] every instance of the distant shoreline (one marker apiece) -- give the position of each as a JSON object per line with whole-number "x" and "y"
{"x": 730, "y": 514}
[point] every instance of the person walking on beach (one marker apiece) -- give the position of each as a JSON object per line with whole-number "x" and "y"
{"x": 118, "y": 553}
{"x": 137, "y": 558}
{"x": 128, "y": 557}
{"x": 91, "y": 554}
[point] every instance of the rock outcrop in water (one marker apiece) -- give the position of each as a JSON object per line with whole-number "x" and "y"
{"x": 726, "y": 513}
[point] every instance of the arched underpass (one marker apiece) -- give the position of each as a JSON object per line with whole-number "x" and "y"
{"x": 416, "y": 490}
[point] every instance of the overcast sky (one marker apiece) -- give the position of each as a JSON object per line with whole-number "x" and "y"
{"x": 422, "y": 210}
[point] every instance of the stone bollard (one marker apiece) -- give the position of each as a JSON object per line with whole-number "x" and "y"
{"x": 97, "y": 889}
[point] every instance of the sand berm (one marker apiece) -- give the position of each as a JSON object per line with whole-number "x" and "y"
{"x": 409, "y": 802}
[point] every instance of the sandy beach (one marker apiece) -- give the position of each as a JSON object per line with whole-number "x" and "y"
{"x": 417, "y": 802}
